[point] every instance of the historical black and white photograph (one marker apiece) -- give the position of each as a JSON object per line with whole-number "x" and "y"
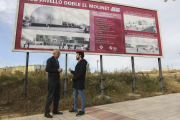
{"x": 141, "y": 45}
{"x": 51, "y": 18}
{"x": 137, "y": 23}
{"x": 55, "y": 40}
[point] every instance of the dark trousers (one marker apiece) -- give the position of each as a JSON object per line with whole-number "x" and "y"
{"x": 53, "y": 95}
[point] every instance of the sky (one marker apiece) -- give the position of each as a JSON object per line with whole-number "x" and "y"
{"x": 170, "y": 31}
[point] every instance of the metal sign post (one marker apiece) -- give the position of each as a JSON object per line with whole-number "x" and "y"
{"x": 133, "y": 76}
{"x": 101, "y": 79}
{"x": 25, "y": 78}
{"x": 97, "y": 65}
{"x": 160, "y": 75}
{"x": 65, "y": 80}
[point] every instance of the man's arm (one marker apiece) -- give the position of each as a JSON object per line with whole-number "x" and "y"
{"x": 81, "y": 71}
{"x": 72, "y": 71}
{"x": 49, "y": 67}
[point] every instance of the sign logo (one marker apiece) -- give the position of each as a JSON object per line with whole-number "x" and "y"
{"x": 101, "y": 47}
{"x": 114, "y": 48}
{"x": 110, "y": 48}
{"x": 115, "y": 9}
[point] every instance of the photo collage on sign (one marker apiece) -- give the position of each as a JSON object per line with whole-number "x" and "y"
{"x": 142, "y": 24}
{"x": 50, "y": 27}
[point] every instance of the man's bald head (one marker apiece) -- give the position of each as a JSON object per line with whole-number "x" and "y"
{"x": 56, "y": 53}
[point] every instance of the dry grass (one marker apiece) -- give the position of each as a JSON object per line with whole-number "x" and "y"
{"x": 117, "y": 87}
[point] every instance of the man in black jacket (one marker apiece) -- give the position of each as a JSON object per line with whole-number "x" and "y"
{"x": 78, "y": 82}
{"x": 54, "y": 86}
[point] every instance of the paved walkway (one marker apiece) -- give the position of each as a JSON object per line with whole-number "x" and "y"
{"x": 164, "y": 107}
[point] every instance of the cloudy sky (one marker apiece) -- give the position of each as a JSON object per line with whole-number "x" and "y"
{"x": 170, "y": 28}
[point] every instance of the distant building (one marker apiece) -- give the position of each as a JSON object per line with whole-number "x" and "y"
{"x": 31, "y": 68}
{"x": 166, "y": 69}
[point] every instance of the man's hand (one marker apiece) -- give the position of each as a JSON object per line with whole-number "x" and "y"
{"x": 60, "y": 70}
{"x": 69, "y": 69}
{"x": 71, "y": 80}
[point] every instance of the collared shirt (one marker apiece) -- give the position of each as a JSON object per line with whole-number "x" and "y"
{"x": 57, "y": 61}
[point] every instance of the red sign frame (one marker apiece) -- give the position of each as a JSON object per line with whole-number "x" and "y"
{"x": 112, "y": 29}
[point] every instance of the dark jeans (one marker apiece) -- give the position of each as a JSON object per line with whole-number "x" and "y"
{"x": 53, "y": 95}
{"x": 82, "y": 96}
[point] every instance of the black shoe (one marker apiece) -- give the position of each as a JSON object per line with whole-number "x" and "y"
{"x": 73, "y": 110}
{"x": 48, "y": 115}
{"x": 57, "y": 112}
{"x": 80, "y": 113}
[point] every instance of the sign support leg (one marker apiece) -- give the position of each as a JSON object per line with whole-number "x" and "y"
{"x": 25, "y": 78}
{"x": 133, "y": 76}
{"x": 160, "y": 75}
{"x": 101, "y": 79}
{"x": 65, "y": 80}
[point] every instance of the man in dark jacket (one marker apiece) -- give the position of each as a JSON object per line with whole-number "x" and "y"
{"x": 54, "y": 86}
{"x": 78, "y": 82}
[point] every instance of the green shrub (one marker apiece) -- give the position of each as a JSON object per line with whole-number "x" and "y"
{"x": 103, "y": 98}
{"x": 18, "y": 73}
